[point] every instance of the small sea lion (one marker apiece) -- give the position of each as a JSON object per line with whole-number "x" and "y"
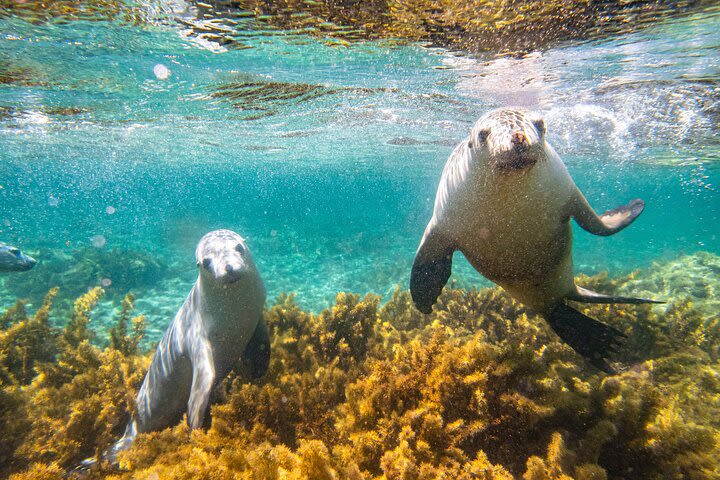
{"x": 12, "y": 259}
{"x": 505, "y": 201}
{"x": 220, "y": 321}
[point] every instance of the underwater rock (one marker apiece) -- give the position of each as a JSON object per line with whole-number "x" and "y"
{"x": 480, "y": 388}
{"x": 24, "y": 76}
{"x": 403, "y": 141}
{"x": 266, "y": 98}
{"x": 53, "y": 111}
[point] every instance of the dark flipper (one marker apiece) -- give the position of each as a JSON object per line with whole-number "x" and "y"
{"x": 430, "y": 272}
{"x": 588, "y": 296}
{"x": 257, "y": 352}
{"x": 592, "y": 339}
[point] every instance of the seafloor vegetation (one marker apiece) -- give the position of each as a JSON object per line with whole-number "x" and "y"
{"x": 478, "y": 389}
{"x": 75, "y": 271}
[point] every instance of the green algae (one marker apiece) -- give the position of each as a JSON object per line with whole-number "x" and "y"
{"x": 480, "y": 388}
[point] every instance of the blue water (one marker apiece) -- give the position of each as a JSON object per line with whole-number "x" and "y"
{"x": 333, "y": 192}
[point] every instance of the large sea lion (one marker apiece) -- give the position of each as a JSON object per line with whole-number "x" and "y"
{"x": 12, "y": 259}
{"x": 505, "y": 201}
{"x": 220, "y": 321}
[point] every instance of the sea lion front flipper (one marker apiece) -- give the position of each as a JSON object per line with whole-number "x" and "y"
{"x": 609, "y": 222}
{"x": 430, "y": 271}
{"x": 257, "y": 352}
{"x": 592, "y": 339}
{"x": 588, "y": 296}
{"x": 202, "y": 382}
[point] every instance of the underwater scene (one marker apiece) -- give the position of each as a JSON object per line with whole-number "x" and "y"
{"x": 336, "y": 240}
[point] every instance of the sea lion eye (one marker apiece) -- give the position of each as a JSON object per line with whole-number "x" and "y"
{"x": 540, "y": 126}
{"x": 207, "y": 262}
{"x": 483, "y": 135}
{"x": 239, "y": 248}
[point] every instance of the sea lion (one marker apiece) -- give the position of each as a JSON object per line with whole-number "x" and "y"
{"x": 14, "y": 260}
{"x": 505, "y": 201}
{"x": 220, "y": 321}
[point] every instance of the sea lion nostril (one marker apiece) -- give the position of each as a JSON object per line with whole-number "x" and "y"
{"x": 519, "y": 138}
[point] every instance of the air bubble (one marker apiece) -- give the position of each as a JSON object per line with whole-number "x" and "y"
{"x": 98, "y": 241}
{"x": 161, "y": 72}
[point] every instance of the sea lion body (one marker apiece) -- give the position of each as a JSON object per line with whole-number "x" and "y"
{"x": 505, "y": 201}
{"x": 219, "y": 323}
{"x": 529, "y": 258}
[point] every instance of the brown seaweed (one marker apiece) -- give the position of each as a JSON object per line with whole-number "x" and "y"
{"x": 480, "y": 388}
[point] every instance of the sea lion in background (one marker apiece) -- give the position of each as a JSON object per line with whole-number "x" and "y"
{"x": 14, "y": 260}
{"x": 505, "y": 201}
{"x": 220, "y": 321}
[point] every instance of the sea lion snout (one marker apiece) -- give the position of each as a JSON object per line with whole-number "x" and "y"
{"x": 519, "y": 141}
{"x": 518, "y": 153}
{"x": 226, "y": 270}
{"x": 26, "y": 262}
{"x": 510, "y": 140}
{"x": 233, "y": 273}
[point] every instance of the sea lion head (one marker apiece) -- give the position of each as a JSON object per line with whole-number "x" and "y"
{"x": 509, "y": 140}
{"x": 223, "y": 256}
{"x": 14, "y": 260}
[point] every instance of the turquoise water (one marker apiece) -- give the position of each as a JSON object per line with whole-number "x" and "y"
{"x": 331, "y": 171}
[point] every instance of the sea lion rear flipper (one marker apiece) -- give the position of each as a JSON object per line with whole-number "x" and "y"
{"x": 257, "y": 352}
{"x": 588, "y": 296}
{"x": 592, "y": 339}
{"x": 202, "y": 382}
{"x": 609, "y": 222}
{"x": 430, "y": 271}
